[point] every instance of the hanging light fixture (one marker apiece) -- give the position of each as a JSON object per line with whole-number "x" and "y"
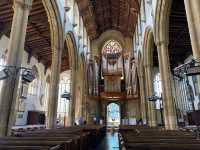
{"x": 4, "y": 74}
{"x": 27, "y": 76}
{"x": 66, "y": 95}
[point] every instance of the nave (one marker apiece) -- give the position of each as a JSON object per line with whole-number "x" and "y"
{"x": 74, "y": 71}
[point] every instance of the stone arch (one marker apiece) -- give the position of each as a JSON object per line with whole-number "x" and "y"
{"x": 141, "y": 88}
{"x": 90, "y": 73}
{"x": 73, "y": 59}
{"x": 161, "y": 29}
{"x": 83, "y": 72}
{"x": 98, "y": 44}
{"x": 76, "y": 19}
{"x": 147, "y": 65}
{"x": 57, "y": 45}
{"x": 161, "y": 24}
{"x": 147, "y": 52}
{"x": 56, "y": 26}
{"x": 111, "y": 34}
{"x": 72, "y": 50}
{"x": 139, "y": 61}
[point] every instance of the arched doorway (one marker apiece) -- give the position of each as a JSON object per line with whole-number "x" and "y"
{"x": 113, "y": 115}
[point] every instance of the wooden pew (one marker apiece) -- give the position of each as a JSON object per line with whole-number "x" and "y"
{"x": 145, "y": 138}
{"x": 71, "y": 138}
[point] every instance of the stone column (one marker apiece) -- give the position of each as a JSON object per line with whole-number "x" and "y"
{"x": 167, "y": 96}
{"x": 151, "y": 105}
{"x": 193, "y": 17}
{"x": 83, "y": 94}
{"x": 54, "y": 87}
{"x": 73, "y": 95}
{"x": 142, "y": 98}
{"x": 15, "y": 56}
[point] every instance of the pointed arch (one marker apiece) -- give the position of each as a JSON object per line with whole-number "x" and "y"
{"x": 147, "y": 52}
{"x": 56, "y": 25}
{"x": 161, "y": 24}
{"x": 73, "y": 62}
{"x": 72, "y": 50}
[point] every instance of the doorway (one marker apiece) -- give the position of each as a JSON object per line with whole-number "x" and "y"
{"x": 113, "y": 115}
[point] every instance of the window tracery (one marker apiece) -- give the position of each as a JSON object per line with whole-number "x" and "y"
{"x": 63, "y": 104}
{"x": 34, "y": 85}
{"x": 112, "y": 49}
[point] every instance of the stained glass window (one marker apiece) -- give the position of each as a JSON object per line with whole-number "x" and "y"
{"x": 112, "y": 51}
{"x": 112, "y": 47}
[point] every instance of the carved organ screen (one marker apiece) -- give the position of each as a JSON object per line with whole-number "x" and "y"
{"x": 112, "y": 57}
{"x": 112, "y": 66}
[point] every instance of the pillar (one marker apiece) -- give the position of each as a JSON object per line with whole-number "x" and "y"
{"x": 193, "y": 17}
{"x": 15, "y": 56}
{"x": 142, "y": 98}
{"x": 73, "y": 95}
{"x": 83, "y": 100}
{"x": 167, "y": 96}
{"x": 192, "y": 8}
{"x": 54, "y": 86}
{"x": 150, "y": 104}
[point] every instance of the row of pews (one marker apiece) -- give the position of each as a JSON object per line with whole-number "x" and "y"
{"x": 70, "y": 138}
{"x": 146, "y": 138}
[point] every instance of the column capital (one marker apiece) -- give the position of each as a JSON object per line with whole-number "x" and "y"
{"x": 24, "y": 4}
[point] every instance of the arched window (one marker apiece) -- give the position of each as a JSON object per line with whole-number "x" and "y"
{"x": 70, "y": 5}
{"x": 157, "y": 85}
{"x": 157, "y": 89}
{"x": 112, "y": 57}
{"x": 113, "y": 114}
{"x": 76, "y": 18}
{"x": 111, "y": 47}
{"x": 63, "y": 104}
{"x": 90, "y": 79}
{"x": 46, "y": 95}
{"x": 2, "y": 63}
{"x": 112, "y": 63}
{"x": 34, "y": 85}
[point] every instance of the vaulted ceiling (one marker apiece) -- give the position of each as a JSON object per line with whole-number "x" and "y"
{"x": 101, "y": 15}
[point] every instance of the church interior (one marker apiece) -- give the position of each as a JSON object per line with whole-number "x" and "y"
{"x": 99, "y": 75}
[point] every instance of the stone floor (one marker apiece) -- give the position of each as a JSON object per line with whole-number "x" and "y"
{"x": 110, "y": 142}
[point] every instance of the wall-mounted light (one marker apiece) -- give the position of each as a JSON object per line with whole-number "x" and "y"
{"x": 24, "y": 90}
{"x": 27, "y": 76}
{"x": 154, "y": 98}
{"x": 66, "y": 95}
{"x": 67, "y": 8}
{"x": 74, "y": 25}
{"x": 4, "y": 74}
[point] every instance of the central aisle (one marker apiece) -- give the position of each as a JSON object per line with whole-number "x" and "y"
{"x": 110, "y": 142}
